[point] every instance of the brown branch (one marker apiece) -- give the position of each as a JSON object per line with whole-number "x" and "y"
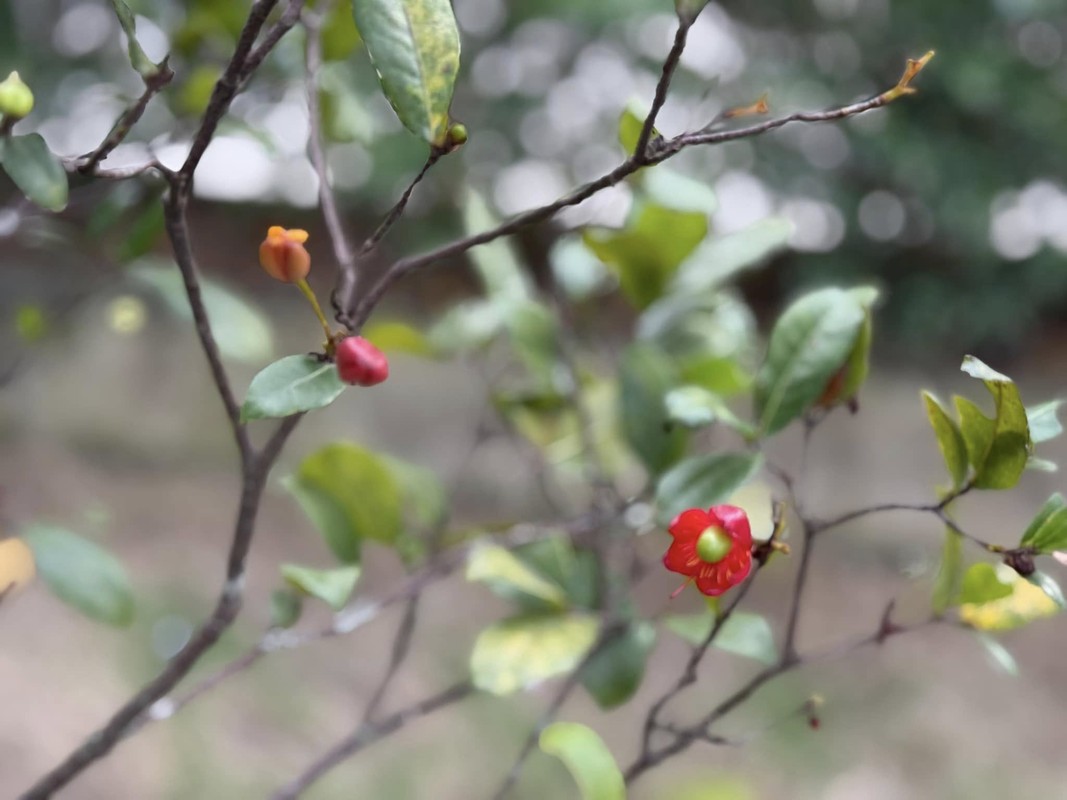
{"x": 669, "y": 66}
{"x": 153, "y": 84}
{"x": 368, "y": 734}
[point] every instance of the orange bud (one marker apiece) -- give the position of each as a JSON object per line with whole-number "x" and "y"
{"x": 283, "y": 255}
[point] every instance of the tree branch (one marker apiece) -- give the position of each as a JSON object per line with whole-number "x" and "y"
{"x": 669, "y": 66}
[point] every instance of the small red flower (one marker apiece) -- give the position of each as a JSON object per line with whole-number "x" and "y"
{"x": 712, "y": 548}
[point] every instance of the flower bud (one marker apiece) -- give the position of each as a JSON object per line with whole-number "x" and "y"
{"x": 361, "y": 363}
{"x": 16, "y": 99}
{"x": 283, "y": 256}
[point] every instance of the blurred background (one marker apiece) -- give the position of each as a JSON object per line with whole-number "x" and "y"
{"x": 955, "y": 201}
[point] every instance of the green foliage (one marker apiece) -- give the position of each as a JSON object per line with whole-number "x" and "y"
{"x": 241, "y": 330}
{"x": 981, "y": 585}
{"x": 614, "y": 673}
{"x": 331, "y": 586}
{"x": 32, "y": 167}
{"x": 630, "y": 123}
{"x": 720, "y": 259}
{"x": 82, "y": 574}
{"x": 997, "y": 447}
{"x": 398, "y": 337}
{"x": 414, "y": 45}
{"x": 588, "y": 759}
{"x": 998, "y": 654}
{"x": 1047, "y": 532}
{"x": 510, "y": 577}
{"x": 949, "y": 576}
{"x": 1043, "y": 422}
{"x": 703, "y": 481}
{"x": 286, "y": 606}
{"x": 811, "y": 341}
{"x": 351, "y": 495}
{"x": 949, "y": 439}
{"x": 696, "y": 407}
{"x": 291, "y": 385}
{"x": 645, "y": 377}
{"x": 138, "y": 59}
{"x": 646, "y": 253}
{"x": 743, "y": 634}
{"x": 523, "y": 651}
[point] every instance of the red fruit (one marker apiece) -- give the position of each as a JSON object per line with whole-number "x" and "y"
{"x": 361, "y": 363}
{"x": 712, "y": 548}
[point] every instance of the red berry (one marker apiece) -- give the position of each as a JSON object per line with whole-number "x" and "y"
{"x": 361, "y": 363}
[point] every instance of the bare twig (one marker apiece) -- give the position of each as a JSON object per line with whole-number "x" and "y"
{"x": 368, "y": 734}
{"x": 669, "y": 66}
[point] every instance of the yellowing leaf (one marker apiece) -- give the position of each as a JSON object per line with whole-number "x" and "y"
{"x": 16, "y": 565}
{"x": 1025, "y": 604}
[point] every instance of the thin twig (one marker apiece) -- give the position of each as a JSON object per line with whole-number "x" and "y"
{"x": 368, "y": 734}
{"x": 664, "y": 84}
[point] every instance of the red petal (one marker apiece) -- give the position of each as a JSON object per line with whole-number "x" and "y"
{"x": 690, "y": 524}
{"x": 681, "y": 557}
{"x": 735, "y": 521}
{"x": 710, "y": 580}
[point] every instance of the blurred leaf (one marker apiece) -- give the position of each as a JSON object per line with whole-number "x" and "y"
{"x": 331, "y": 586}
{"x": 534, "y": 333}
{"x": 981, "y": 585}
{"x": 523, "y": 651}
{"x": 508, "y": 576}
{"x": 32, "y": 167}
{"x": 743, "y": 634}
{"x": 30, "y": 323}
{"x": 1023, "y": 604}
{"x": 285, "y": 608}
{"x": 344, "y": 117}
{"x": 242, "y": 331}
{"x": 353, "y": 495}
{"x": 291, "y": 385}
{"x": 143, "y": 234}
{"x": 998, "y": 448}
{"x": 339, "y": 35}
{"x": 138, "y": 59}
{"x": 854, "y": 373}
{"x": 82, "y": 574}
{"x": 196, "y": 89}
{"x": 998, "y": 654}
{"x": 496, "y": 263}
{"x": 467, "y": 326}
{"x": 398, "y": 337}
{"x": 719, "y": 259}
{"x": 1041, "y": 465}
{"x": 688, "y": 10}
{"x": 588, "y": 759}
{"x": 576, "y": 270}
{"x": 630, "y": 123}
{"x": 671, "y": 189}
{"x": 645, "y": 377}
{"x": 695, "y": 407}
{"x": 810, "y": 342}
{"x": 614, "y": 673}
{"x": 16, "y": 565}
{"x": 949, "y": 439}
{"x": 1047, "y": 531}
{"x": 414, "y": 46}
{"x": 1049, "y": 586}
{"x": 425, "y": 500}
{"x": 648, "y": 250}
{"x": 947, "y": 587}
{"x": 704, "y": 481}
{"x": 556, "y": 558}
{"x": 1043, "y": 422}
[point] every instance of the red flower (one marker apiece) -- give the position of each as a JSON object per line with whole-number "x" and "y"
{"x": 713, "y": 548}
{"x": 360, "y": 362}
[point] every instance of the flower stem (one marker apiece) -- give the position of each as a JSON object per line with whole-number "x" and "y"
{"x": 309, "y": 293}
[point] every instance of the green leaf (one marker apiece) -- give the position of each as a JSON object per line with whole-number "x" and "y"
{"x": 997, "y": 448}
{"x": 981, "y": 585}
{"x": 398, "y": 337}
{"x": 646, "y": 253}
{"x": 718, "y": 260}
{"x": 241, "y": 329}
{"x": 331, "y": 586}
{"x": 344, "y": 116}
{"x": 949, "y": 439}
{"x": 688, "y": 10}
{"x": 1043, "y": 422}
{"x": 351, "y": 494}
{"x": 414, "y": 46}
{"x": 947, "y": 586}
{"x": 743, "y": 634}
{"x": 1024, "y": 603}
{"x": 534, "y": 333}
{"x": 291, "y": 385}
{"x": 339, "y": 34}
{"x": 467, "y": 326}
{"x": 645, "y": 377}
{"x": 424, "y": 497}
{"x": 588, "y": 759}
{"x": 286, "y": 607}
{"x": 32, "y": 167}
{"x": 496, "y": 263}
{"x": 30, "y": 323}
{"x": 1047, "y": 532}
{"x": 704, "y": 481}
{"x": 576, "y": 270}
{"x": 809, "y": 344}
{"x": 701, "y": 332}
{"x": 614, "y": 673}
{"x": 508, "y": 576}
{"x": 523, "y": 651}
{"x": 1049, "y": 586}
{"x": 555, "y": 558}
{"x": 998, "y": 654}
{"x": 696, "y": 407}
{"x": 671, "y": 189}
{"x": 82, "y": 574}
{"x": 631, "y": 122}
{"x": 139, "y": 60}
